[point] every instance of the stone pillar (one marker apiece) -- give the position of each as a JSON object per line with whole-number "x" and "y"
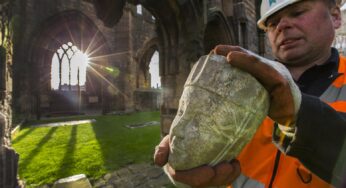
{"x": 169, "y": 105}
{"x": 180, "y": 32}
{"x": 8, "y": 157}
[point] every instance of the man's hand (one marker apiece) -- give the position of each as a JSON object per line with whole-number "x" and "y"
{"x": 285, "y": 97}
{"x": 162, "y": 152}
{"x": 222, "y": 174}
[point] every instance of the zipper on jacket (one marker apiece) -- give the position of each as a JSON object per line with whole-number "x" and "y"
{"x": 276, "y": 165}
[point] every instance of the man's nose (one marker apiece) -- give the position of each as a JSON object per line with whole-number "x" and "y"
{"x": 284, "y": 23}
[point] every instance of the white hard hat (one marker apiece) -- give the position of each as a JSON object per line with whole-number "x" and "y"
{"x": 270, "y": 7}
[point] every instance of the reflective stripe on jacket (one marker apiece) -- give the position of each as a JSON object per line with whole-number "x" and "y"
{"x": 263, "y": 165}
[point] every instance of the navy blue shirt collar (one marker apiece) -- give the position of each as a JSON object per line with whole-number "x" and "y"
{"x": 317, "y": 79}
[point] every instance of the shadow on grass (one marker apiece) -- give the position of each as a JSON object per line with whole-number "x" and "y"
{"x": 68, "y": 159}
{"x": 22, "y": 136}
{"x": 102, "y": 135}
{"x": 121, "y": 146}
{"x": 37, "y": 149}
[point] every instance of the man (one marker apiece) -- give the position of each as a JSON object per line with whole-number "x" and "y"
{"x": 309, "y": 133}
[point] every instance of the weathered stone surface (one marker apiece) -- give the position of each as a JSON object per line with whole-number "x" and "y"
{"x": 219, "y": 111}
{"x": 139, "y": 175}
{"x": 80, "y": 181}
{"x": 8, "y": 167}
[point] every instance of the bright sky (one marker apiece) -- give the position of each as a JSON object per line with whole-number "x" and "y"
{"x": 79, "y": 60}
{"x": 154, "y": 70}
{"x": 343, "y": 7}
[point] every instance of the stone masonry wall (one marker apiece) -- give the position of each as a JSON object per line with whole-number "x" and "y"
{"x": 8, "y": 157}
{"x": 246, "y": 29}
{"x": 34, "y": 16}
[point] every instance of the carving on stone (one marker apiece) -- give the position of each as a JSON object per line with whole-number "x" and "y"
{"x": 219, "y": 111}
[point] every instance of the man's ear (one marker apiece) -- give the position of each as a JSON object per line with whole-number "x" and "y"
{"x": 336, "y": 17}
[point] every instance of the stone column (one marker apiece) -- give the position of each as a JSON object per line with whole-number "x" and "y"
{"x": 169, "y": 104}
{"x": 8, "y": 157}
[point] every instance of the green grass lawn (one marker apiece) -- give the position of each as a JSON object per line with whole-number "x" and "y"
{"x": 50, "y": 153}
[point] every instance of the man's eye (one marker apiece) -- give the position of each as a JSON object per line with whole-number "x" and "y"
{"x": 272, "y": 24}
{"x": 297, "y": 13}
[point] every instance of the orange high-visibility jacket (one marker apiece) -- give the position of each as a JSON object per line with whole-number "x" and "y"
{"x": 263, "y": 165}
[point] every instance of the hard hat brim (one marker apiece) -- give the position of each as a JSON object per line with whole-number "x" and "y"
{"x": 273, "y": 10}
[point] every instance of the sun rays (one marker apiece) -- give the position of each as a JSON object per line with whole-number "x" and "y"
{"x": 89, "y": 59}
{"x": 71, "y": 65}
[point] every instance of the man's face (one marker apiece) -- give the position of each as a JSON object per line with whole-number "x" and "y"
{"x": 302, "y": 31}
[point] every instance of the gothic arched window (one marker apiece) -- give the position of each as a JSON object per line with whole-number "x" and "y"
{"x": 68, "y": 71}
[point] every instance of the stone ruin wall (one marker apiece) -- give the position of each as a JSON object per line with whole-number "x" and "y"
{"x": 8, "y": 157}
{"x": 125, "y": 39}
{"x": 28, "y": 18}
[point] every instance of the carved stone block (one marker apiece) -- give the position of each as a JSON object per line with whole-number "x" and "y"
{"x": 219, "y": 112}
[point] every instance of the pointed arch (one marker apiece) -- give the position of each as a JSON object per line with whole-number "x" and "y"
{"x": 144, "y": 56}
{"x": 217, "y": 31}
{"x": 67, "y": 26}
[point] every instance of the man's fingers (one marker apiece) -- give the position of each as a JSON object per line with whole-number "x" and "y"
{"x": 223, "y": 172}
{"x": 265, "y": 74}
{"x": 248, "y": 63}
{"x": 162, "y": 152}
{"x": 239, "y": 58}
{"x": 225, "y": 49}
{"x": 271, "y": 80}
{"x": 286, "y": 114}
{"x": 236, "y": 171}
{"x": 226, "y": 173}
{"x": 161, "y": 156}
{"x": 196, "y": 177}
